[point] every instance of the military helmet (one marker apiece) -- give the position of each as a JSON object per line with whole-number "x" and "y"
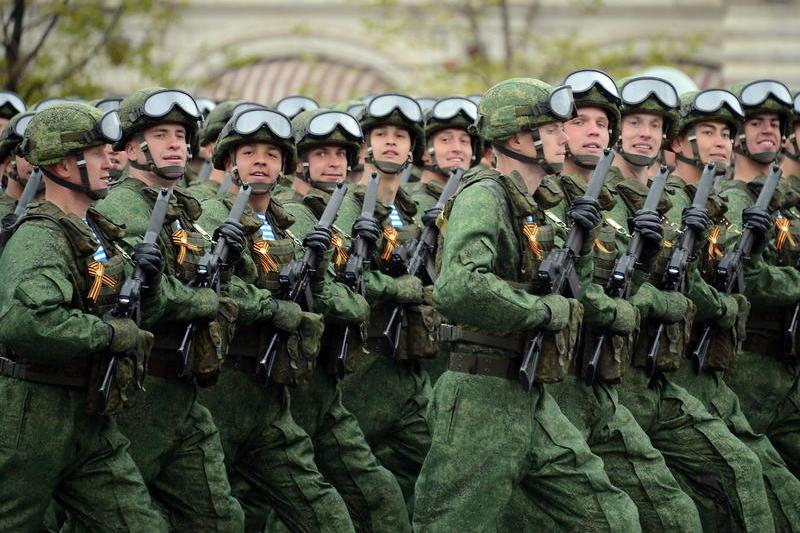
{"x": 325, "y": 127}
{"x": 152, "y": 106}
{"x": 454, "y": 112}
{"x": 11, "y": 104}
{"x": 107, "y": 104}
{"x": 595, "y": 88}
{"x": 219, "y": 116}
{"x": 796, "y": 108}
{"x": 12, "y": 134}
{"x": 651, "y": 95}
{"x": 257, "y": 124}
{"x": 291, "y": 106}
{"x": 708, "y": 105}
{"x": 766, "y": 96}
{"x": 521, "y": 104}
{"x": 399, "y": 110}
{"x": 66, "y": 128}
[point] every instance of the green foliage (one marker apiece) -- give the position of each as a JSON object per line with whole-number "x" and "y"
{"x": 52, "y": 47}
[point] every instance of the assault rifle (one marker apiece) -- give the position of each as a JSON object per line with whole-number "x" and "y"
{"x": 677, "y": 268}
{"x": 424, "y": 251}
{"x": 557, "y": 275}
{"x": 208, "y": 276}
{"x": 129, "y": 297}
{"x": 295, "y": 279}
{"x": 619, "y": 285}
{"x": 729, "y": 274}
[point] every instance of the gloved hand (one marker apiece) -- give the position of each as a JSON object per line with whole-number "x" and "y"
{"x": 368, "y": 228}
{"x": 760, "y": 222}
{"x": 430, "y": 216}
{"x": 148, "y": 257}
{"x": 696, "y": 219}
{"x": 319, "y": 240}
{"x": 286, "y": 315}
{"x": 648, "y": 224}
{"x": 233, "y": 232}
{"x": 126, "y": 337}
{"x": 585, "y": 212}
{"x": 558, "y": 308}
{"x": 409, "y": 289}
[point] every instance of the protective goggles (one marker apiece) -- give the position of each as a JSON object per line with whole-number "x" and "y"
{"x": 324, "y": 123}
{"x": 108, "y": 104}
{"x": 252, "y": 120}
{"x": 797, "y": 104}
{"x": 712, "y": 100}
{"x": 357, "y": 110}
{"x": 449, "y": 108}
{"x": 107, "y": 130}
{"x": 757, "y": 92}
{"x": 291, "y": 106}
{"x": 9, "y": 98}
{"x": 22, "y": 124}
{"x": 582, "y": 81}
{"x": 560, "y": 104}
{"x": 638, "y": 90}
{"x": 50, "y": 102}
{"x": 162, "y": 102}
{"x": 426, "y": 103}
{"x": 475, "y": 98}
{"x": 205, "y": 105}
{"x": 385, "y": 104}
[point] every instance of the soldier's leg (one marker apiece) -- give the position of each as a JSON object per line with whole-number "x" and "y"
{"x": 193, "y": 484}
{"x": 784, "y": 432}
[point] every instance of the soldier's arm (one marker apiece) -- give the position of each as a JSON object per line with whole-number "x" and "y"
{"x": 710, "y": 303}
{"x": 467, "y": 291}
{"x": 37, "y": 317}
{"x": 769, "y": 285}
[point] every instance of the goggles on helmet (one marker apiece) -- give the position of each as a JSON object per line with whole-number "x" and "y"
{"x": 757, "y": 92}
{"x": 291, "y": 106}
{"x": 356, "y": 110}
{"x": 475, "y": 98}
{"x": 22, "y": 124}
{"x": 251, "y": 120}
{"x": 108, "y": 104}
{"x": 9, "y": 98}
{"x": 385, "y": 104}
{"x": 638, "y": 90}
{"x": 712, "y": 100}
{"x": 205, "y": 105}
{"x": 426, "y": 102}
{"x": 324, "y": 123}
{"x": 560, "y": 104}
{"x": 50, "y": 102}
{"x": 449, "y": 108}
{"x": 797, "y": 104}
{"x": 162, "y": 102}
{"x": 582, "y": 81}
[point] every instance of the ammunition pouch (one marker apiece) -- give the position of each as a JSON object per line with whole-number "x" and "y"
{"x": 604, "y": 253}
{"x": 617, "y": 351}
{"x": 724, "y": 343}
{"x": 674, "y": 342}
{"x": 332, "y": 343}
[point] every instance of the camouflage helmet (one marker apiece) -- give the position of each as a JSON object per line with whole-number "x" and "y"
{"x": 595, "y": 88}
{"x": 219, "y": 116}
{"x": 653, "y": 96}
{"x": 12, "y": 134}
{"x": 398, "y": 110}
{"x": 11, "y": 104}
{"x": 709, "y": 105}
{"x": 453, "y": 112}
{"x": 259, "y": 124}
{"x": 152, "y": 106}
{"x": 766, "y": 96}
{"x": 518, "y": 105}
{"x": 350, "y": 138}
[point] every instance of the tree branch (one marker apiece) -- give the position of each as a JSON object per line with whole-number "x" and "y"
{"x": 12, "y": 45}
{"x": 22, "y": 65}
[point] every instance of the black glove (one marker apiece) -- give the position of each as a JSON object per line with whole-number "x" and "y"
{"x": 759, "y": 221}
{"x": 430, "y": 216}
{"x": 648, "y": 224}
{"x": 233, "y": 232}
{"x": 368, "y": 228}
{"x": 696, "y": 219}
{"x": 318, "y": 240}
{"x": 148, "y": 257}
{"x": 585, "y": 213}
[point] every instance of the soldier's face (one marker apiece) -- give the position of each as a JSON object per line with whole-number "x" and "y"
{"x": 588, "y": 132}
{"x": 167, "y": 144}
{"x": 713, "y": 142}
{"x": 452, "y": 147}
{"x": 789, "y": 146}
{"x": 554, "y": 141}
{"x": 327, "y": 163}
{"x": 762, "y": 133}
{"x": 118, "y": 159}
{"x": 3, "y": 123}
{"x": 391, "y": 144}
{"x": 24, "y": 169}
{"x": 641, "y": 134}
{"x": 98, "y": 167}
{"x": 259, "y": 162}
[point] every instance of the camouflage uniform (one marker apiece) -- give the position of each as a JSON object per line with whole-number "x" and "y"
{"x": 53, "y": 442}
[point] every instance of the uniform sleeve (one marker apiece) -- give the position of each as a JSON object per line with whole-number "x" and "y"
{"x": 37, "y": 317}
{"x": 467, "y": 291}
{"x": 337, "y": 303}
{"x": 768, "y": 285}
{"x": 709, "y": 302}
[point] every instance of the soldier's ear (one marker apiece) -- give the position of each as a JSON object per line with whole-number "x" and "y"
{"x": 675, "y": 145}
{"x": 62, "y": 168}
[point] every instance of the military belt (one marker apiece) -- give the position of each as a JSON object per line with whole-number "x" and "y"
{"x": 451, "y": 333}
{"x": 66, "y": 375}
{"x": 485, "y": 365}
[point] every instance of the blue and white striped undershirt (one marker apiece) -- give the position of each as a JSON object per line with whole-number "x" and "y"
{"x": 394, "y": 217}
{"x": 100, "y": 255}
{"x": 266, "y": 228}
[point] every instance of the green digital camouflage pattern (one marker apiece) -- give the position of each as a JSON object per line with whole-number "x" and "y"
{"x": 203, "y": 190}
{"x": 7, "y": 204}
{"x": 49, "y": 446}
{"x": 491, "y": 439}
{"x": 173, "y": 438}
{"x": 508, "y": 108}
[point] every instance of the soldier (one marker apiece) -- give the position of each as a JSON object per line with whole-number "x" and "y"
{"x": 174, "y": 440}
{"x": 62, "y": 270}
{"x": 791, "y": 148}
{"x": 491, "y": 439}
{"x": 16, "y": 170}
{"x": 388, "y": 392}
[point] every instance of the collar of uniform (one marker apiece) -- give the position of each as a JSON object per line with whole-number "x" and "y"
{"x": 279, "y": 216}
{"x": 76, "y": 229}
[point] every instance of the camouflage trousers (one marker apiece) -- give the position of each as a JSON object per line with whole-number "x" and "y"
{"x": 496, "y": 448}
{"x": 390, "y": 400}
{"x": 721, "y": 474}
{"x": 177, "y": 448}
{"x": 270, "y": 458}
{"x": 631, "y": 462}
{"x": 345, "y": 459}
{"x": 49, "y": 448}
{"x": 783, "y": 489}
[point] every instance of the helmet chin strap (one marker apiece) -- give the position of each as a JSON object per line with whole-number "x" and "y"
{"x": 550, "y": 168}
{"x": 588, "y": 162}
{"x": 325, "y": 186}
{"x": 796, "y": 155}
{"x": 761, "y": 158}
{"x": 387, "y": 167}
{"x": 84, "y": 187}
{"x": 169, "y": 173}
